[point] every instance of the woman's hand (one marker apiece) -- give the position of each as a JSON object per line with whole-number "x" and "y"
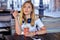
{"x": 15, "y": 13}
{"x": 42, "y": 31}
{"x": 30, "y": 34}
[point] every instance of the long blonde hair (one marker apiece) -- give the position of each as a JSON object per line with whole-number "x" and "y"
{"x": 32, "y": 14}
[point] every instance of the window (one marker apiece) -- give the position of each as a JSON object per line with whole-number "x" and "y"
{"x": 36, "y": 5}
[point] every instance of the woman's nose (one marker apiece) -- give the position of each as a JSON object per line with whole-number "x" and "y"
{"x": 26, "y": 8}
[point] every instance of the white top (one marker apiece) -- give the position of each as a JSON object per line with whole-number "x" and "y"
{"x": 32, "y": 29}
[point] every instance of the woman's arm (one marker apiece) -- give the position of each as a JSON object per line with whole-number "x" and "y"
{"x": 17, "y": 28}
{"x": 39, "y": 32}
{"x": 41, "y": 27}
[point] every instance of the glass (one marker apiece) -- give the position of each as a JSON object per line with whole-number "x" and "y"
{"x": 26, "y": 30}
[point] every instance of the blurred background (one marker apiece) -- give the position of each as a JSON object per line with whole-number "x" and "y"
{"x": 47, "y": 10}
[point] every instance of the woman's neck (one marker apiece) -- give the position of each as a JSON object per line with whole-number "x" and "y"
{"x": 27, "y": 16}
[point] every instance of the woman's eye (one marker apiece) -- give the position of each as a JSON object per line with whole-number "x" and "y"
{"x": 28, "y": 6}
{"x": 24, "y": 6}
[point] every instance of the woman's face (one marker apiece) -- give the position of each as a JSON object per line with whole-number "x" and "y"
{"x": 27, "y": 9}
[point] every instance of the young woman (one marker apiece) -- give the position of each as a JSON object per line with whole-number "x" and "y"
{"x": 27, "y": 16}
